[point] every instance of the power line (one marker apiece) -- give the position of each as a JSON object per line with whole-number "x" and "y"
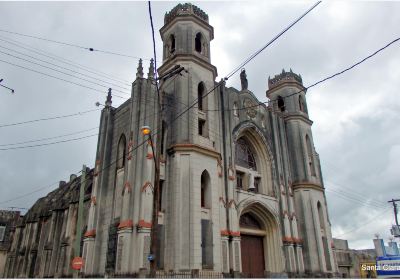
{"x": 62, "y": 60}
{"x": 314, "y": 84}
{"x": 69, "y": 44}
{"x": 58, "y": 78}
{"x": 48, "y": 138}
{"x": 364, "y": 223}
{"x": 355, "y": 200}
{"x": 62, "y": 72}
{"x": 73, "y": 71}
{"x": 270, "y": 42}
{"x": 47, "y": 144}
{"x": 49, "y": 118}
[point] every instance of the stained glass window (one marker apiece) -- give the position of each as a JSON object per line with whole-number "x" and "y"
{"x": 244, "y": 155}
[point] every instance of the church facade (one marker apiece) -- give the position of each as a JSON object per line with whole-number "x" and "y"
{"x": 241, "y": 188}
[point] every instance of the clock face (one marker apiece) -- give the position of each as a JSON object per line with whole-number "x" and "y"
{"x": 250, "y": 108}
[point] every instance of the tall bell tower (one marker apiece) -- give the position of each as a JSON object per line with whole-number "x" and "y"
{"x": 288, "y": 98}
{"x": 190, "y": 143}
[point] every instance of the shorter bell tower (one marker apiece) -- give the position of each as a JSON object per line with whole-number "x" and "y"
{"x": 288, "y": 98}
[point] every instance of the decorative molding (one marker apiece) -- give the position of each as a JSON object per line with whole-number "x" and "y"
{"x": 226, "y": 232}
{"x": 127, "y": 187}
{"x": 195, "y": 148}
{"x": 93, "y": 200}
{"x": 144, "y": 224}
{"x": 125, "y": 224}
{"x": 307, "y": 185}
{"x": 90, "y": 233}
{"x": 146, "y": 185}
{"x": 149, "y": 155}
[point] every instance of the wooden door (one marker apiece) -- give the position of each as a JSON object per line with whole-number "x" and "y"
{"x": 252, "y": 255}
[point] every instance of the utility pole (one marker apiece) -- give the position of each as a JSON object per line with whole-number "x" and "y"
{"x": 393, "y": 201}
{"x": 78, "y": 237}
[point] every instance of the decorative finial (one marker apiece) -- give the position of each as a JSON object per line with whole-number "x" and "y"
{"x": 283, "y": 70}
{"x": 109, "y": 97}
{"x": 150, "y": 75}
{"x": 243, "y": 79}
{"x": 139, "y": 73}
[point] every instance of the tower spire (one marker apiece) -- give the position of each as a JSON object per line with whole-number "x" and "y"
{"x": 150, "y": 75}
{"x": 139, "y": 72}
{"x": 109, "y": 97}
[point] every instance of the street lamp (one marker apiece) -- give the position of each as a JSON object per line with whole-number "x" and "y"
{"x": 146, "y": 131}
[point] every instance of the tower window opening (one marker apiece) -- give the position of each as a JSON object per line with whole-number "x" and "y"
{"x": 202, "y": 125}
{"x": 301, "y": 107}
{"x": 310, "y": 156}
{"x": 197, "y": 42}
{"x": 240, "y": 179}
{"x": 172, "y": 43}
{"x": 200, "y": 93}
{"x": 160, "y": 192}
{"x": 121, "y": 154}
{"x": 281, "y": 104}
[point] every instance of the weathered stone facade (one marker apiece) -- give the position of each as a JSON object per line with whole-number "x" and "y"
{"x": 8, "y": 220}
{"x": 241, "y": 185}
{"x": 44, "y": 238}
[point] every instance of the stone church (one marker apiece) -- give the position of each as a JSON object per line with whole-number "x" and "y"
{"x": 241, "y": 187}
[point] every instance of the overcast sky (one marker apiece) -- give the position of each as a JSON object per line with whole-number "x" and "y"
{"x": 356, "y": 116}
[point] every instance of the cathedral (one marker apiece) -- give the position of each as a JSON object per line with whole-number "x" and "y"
{"x": 241, "y": 190}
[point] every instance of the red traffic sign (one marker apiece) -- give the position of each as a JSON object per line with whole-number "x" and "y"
{"x": 77, "y": 263}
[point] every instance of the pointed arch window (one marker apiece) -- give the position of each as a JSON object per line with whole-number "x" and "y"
{"x": 244, "y": 155}
{"x": 205, "y": 190}
{"x": 281, "y": 104}
{"x": 172, "y": 43}
{"x": 121, "y": 154}
{"x": 310, "y": 156}
{"x": 198, "y": 42}
{"x": 235, "y": 109}
{"x": 200, "y": 95}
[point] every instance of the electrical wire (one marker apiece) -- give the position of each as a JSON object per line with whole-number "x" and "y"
{"x": 69, "y": 44}
{"x": 270, "y": 42}
{"x": 63, "y": 60}
{"x": 73, "y": 71}
{"x": 47, "y": 144}
{"x": 58, "y": 78}
{"x": 62, "y": 72}
{"x": 48, "y": 138}
{"x": 49, "y": 118}
{"x": 374, "y": 219}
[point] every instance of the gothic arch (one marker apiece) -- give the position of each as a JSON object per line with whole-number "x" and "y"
{"x": 269, "y": 232}
{"x": 265, "y": 160}
{"x": 121, "y": 153}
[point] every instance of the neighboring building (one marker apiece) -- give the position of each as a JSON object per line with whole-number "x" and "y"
{"x": 343, "y": 257}
{"x": 350, "y": 262}
{"x": 8, "y": 219}
{"x": 44, "y": 238}
{"x": 241, "y": 191}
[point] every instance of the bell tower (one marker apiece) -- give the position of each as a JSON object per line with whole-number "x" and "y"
{"x": 191, "y": 187}
{"x": 288, "y": 99}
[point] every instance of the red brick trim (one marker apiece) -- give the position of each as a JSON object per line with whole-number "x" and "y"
{"x": 149, "y": 156}
{"x": 226, "y": 232}
{"x": 144, "y": 224}
{"x": 93, "y": 200}
{"x": 127, "y": 187}
{"x": 145, "y": 186}
{"x": 90, "y": 233}
{"x": 125, "y": 224}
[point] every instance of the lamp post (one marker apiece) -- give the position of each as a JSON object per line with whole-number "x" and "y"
{"x": 146, "y": 131}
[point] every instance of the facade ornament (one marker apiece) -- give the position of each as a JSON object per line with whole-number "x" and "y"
{"x": 139, "y": 73}
{"x": 243, "y": 79}
{"x": 109, "y": 98}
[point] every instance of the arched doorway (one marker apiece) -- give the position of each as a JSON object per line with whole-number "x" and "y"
{"x": 260, "y": 239}
{"x": 252, "y": 246}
